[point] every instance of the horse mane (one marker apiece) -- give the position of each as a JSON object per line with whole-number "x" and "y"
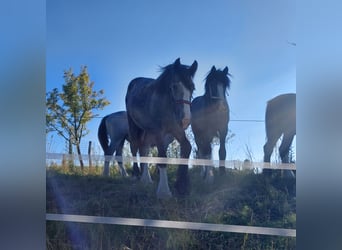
{"x": 181, "y": 70}
{"x": 217, "y": 75}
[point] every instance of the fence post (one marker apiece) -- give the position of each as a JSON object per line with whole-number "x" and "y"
{"x": 89, "y": 154}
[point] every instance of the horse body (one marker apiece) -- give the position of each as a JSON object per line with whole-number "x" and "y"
{"x": 280, "y": 120}
{"x": 210, "y": 117}
{"x": 115, "y": 128}
{"x": 160, "y": 107}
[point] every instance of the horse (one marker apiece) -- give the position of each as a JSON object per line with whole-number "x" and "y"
{"x": 280, "y": 120}
{"x": 158, "y": 107}
{"x": 210, "y": 117}
{"x": 115, "y": 128}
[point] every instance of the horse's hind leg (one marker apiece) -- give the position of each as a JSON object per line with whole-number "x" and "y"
{"x": 284, "y": 151}
{"x": 120, "y": 163}
{"x": 108, "y": 155}
{"x": 268, "y": 150}
{"x": 284, "y": 148}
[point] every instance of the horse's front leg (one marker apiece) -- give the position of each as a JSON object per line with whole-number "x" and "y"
{"x": 120, "y": 162}
{"x": 205, "y": 153}
{"x": 145, "y": 175}
{"x": 182, "y": 184}
{"x": 222, "y": 151}
{"x": 163, "y": 190}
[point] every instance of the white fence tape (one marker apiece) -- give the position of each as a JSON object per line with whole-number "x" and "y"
{"x": 172, "y": 224}
{"x": 194, "y": 162}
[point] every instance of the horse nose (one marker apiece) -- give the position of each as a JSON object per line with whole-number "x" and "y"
{"x": 185, "y": 122}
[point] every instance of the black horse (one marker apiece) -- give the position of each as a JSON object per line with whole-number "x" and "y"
{"x": 112, "y": 133}
{"x": 280, "y": 120}
{"x": 158, "y": 107}
{"x": 210, "y": 117}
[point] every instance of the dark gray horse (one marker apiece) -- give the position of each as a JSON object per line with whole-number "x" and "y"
{"x": 157, "y": 107}
{"x": 280, "y": 120}
{"x": 210, "y": 117}
{"x": 112, "y": 133}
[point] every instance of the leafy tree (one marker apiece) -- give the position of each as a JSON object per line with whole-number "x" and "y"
{"x": 68, "y": 112}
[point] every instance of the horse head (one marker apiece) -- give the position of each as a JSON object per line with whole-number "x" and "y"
{"x": 216, "y": 85}
{"x": 179, "y": 79}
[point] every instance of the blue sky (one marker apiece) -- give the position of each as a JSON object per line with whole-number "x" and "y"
{"x": 121, "y": 40}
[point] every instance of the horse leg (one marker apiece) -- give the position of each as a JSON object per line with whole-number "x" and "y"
{"x": 120, "y": 163}
{"x": 163, "y": 190}
{"x": 145, "y": 173}
{"x": 205, "y": 150}
{"x": 135, "y": 141}
{"x": 272, "y": 139}
{"x": 182, "y": 184}
{"x": 108, "y": 155}
{"x": 222, "y": 150}
{"x": 284, "y": 151}
{"x": 136, "y": 171}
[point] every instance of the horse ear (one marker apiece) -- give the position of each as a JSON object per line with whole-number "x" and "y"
{"x": 193, "y": 68}
{"x": 213, "y": 68}
{"x": 177, "y": 62}
{"x": 225, "y": 70}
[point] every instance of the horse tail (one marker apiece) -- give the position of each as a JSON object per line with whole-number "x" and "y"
{"x": 102, "y": 134}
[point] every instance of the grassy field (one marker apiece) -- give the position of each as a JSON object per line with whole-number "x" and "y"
{"x": 238, "y": 198}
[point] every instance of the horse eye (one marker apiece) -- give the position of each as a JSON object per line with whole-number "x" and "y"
{"x": 174, "y": 87}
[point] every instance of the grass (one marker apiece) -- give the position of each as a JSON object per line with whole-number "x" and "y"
{"x": 238, "y": 198}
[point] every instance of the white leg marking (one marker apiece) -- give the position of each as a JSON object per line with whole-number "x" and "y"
{"x": 163, "y": 190}
{"x": 145, "y": 176}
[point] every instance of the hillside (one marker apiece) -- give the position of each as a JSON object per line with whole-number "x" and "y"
{"x": 238, "y": 198}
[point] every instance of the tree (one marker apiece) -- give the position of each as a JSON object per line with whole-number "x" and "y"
{"x": 68, "y": 112}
